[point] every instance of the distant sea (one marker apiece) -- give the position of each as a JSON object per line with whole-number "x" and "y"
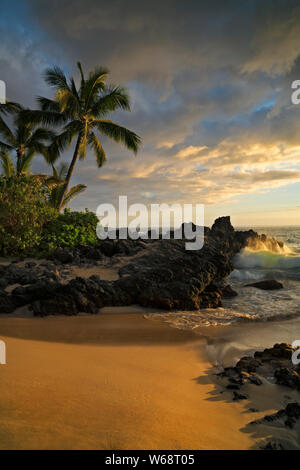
{"x": 253, "y": 304}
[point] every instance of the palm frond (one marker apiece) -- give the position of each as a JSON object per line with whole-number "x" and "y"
{"x": 7, "y": 164}
{"x": 63, "y": 170}
{"x": 48, "y": 105}
{"x": 10, "y": 107}
{"x": 23, "y": 130}
{"x": 60, "y": 173}
{"x": 99, "y": 152}
{"x": 24, "y": 164}
{"x": 115, "y": 98}
{"x": 74, "y": 192}
{"x": 84, "y": 141}
{"x": 68, "y": 102}
{"x": 47, "y": 118}
{"x": 39, "y": 148}
{"x": 74, "y": 127}
{"x": 6, "y": 132}
{"x": 52, "y": 182}
{"x": 62, "y": 141}
{"x": 5, "y": 147}
{"x": 119, "y": 134}
{"x": 74, "y": 89}
{"x": 41, "y": 135}
{"x": 94, "y": 83}
{"x": 55, "y": 194}
{"x": 81, "y": 73}
{"x": 55, "y": 77}
{"x": 54, "y": 172}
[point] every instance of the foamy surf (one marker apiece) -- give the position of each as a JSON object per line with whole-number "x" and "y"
{"x": 268, "y": 244}
{"x": 266, "y": 259}
{"x": 221, "y": 316}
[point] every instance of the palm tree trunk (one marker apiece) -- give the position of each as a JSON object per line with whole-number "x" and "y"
{"x": 70, "y": 173}
{"x": 19, "y": 157}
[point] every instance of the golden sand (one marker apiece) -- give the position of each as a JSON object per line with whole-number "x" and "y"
{"x": 112, "y": 381}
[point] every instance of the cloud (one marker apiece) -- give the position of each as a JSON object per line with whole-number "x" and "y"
{"x": 275, "y": 46}
{"x": 210, "y": 86}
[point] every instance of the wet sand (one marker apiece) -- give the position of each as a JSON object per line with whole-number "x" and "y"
{"x": 117, "y": 381}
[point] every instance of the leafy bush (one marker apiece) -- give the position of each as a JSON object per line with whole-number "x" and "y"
{"x": 69, "y": 229}
{"x": 29, "y": 226}
{"x": 23, "y": 212}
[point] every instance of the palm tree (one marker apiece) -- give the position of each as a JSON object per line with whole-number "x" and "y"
{"x": 57, "y": 180}
{"x": 25, "y": 141}
{"x": 82, "y": 111}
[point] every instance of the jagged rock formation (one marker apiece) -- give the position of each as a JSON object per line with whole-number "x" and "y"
{"x": 159, "y": 273}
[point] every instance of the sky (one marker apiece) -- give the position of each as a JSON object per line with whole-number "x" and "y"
{"x": 210, "y": 86}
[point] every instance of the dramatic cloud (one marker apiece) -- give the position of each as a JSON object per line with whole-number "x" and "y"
{"x": 210, "y": 85}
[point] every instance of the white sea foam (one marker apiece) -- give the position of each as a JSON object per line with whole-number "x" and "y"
{"x": 266, "y": 259}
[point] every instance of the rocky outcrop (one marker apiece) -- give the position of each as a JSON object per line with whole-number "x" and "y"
{"x": 280, "y": 351}
{"x": 287, "y": 377}
{"x": 275, "y": 361}
{"x": 87, "y": 254}
{"x": 272, "y": 364}
{"x": 156, "y": 273}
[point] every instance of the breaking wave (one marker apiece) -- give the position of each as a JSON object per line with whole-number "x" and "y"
{"x": 262, "y": 243}
{"x": 249, "y": 259}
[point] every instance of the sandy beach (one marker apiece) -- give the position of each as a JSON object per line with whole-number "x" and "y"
{"x": 117, "y": 381}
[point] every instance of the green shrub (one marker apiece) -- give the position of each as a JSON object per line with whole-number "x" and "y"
{"x": 29, "y": 226}
{"x": 69, "y": 229}
{"x": 23, "y": 212}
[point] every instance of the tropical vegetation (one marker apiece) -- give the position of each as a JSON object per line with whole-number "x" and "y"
{"x": 31, "y": 203}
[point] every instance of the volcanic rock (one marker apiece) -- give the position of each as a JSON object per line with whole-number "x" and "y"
{"x": 268, "y": 284}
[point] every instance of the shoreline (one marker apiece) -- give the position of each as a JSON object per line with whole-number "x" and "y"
{"x": 119, "y": 381}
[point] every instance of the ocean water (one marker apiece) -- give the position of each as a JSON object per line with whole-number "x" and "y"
{"x": 255, "y": 263}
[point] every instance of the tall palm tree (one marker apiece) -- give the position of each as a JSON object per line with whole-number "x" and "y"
{"x": 25, "y": 140}
{"x": 57, "y": 181}
{"x": 82, "y": 111}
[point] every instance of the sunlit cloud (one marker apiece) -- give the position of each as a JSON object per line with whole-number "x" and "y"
{"x": 210, "y": 87}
